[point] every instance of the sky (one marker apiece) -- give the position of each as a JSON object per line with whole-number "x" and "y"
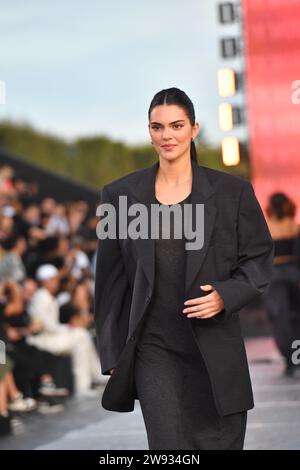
{"x": 78, "y": 68}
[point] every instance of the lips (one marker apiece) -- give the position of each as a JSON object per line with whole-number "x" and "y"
{"x": 168, "y": 146}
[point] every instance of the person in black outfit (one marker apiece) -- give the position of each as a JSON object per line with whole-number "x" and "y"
{"x": 283, "y": 293}
{"x": 166, "y": 317}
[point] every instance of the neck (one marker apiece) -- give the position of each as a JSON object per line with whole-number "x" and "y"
{"x": 176, "y": 172}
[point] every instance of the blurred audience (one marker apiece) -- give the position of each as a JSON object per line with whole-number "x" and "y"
{"x": 58, "y": 338}
{"x": 47, "y": 253}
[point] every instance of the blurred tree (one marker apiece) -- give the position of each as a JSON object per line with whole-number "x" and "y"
{"x": 97, "y": 160}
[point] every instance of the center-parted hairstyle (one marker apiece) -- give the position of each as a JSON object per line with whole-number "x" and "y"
{"x": 179, "y": 98}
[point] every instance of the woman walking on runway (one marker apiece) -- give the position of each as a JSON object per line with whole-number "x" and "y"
{"x": 179, "y": 307}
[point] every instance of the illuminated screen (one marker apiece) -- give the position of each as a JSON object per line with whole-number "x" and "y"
{"x": 272, "y": 68}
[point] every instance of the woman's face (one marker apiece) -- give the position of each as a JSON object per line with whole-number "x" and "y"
{"x": 169, "y": 125}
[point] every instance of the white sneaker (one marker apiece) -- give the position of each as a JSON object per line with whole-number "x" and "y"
{"x": 49, "y": 389}
{"x": 22, "y": 404}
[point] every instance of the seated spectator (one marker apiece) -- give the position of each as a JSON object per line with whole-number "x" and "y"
{"x": 6, "y": 225}
{"x": 11, "y": 399}
{"x": 6, "y": 184}
{"x": 77, "y": 212}
{"x": 30, "y": 218}
{"x": 79, "y": 263}
{"x": 32, "y": 369}
{"x": 11, "y": 264}
{"x": 89, "y": 234}
{"x": 58, "y": 222}
{"x": 57, "y": 338}
{"x": 48, "y": 205}
{"x": 77, "y": 311}
{"x": 22, "y": 189}
{"x": 50, "y": 250}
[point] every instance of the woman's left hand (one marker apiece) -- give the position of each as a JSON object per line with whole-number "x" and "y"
{"x": 206, "y": 306}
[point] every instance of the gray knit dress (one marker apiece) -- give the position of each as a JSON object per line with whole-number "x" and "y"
{"x": 171, "y": 379}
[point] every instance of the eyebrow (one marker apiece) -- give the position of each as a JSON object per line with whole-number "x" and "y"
{"x": 174, "y": 122}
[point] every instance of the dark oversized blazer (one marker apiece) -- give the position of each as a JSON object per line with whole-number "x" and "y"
{"x": 236, "y": 259}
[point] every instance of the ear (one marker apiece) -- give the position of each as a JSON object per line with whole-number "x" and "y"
{"x": 196, "y": 129}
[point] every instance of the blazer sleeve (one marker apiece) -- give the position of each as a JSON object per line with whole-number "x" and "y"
{"x": 253, "y": 270}
{"x": 112, "y": 298}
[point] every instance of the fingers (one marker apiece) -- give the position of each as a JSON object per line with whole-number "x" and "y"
{"x": 200, "y": 300}
{"x": 207, "y": 287}
{"x": 203, "y": 299}
{"x": 206, "y": 301}
{"x": 195, "y": 306}
{"x": 203, "y": 313}
{"x": 203, "y": 307}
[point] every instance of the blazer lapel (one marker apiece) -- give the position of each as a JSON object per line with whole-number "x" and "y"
{"x": 201, "y": 193}
{"x": 144, "y": 193}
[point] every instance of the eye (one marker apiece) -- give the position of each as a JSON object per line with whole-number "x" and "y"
{"x": 154, "y": 127}
{"x": 178, "y": 126}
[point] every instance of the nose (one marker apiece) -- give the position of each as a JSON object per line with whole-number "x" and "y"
{"x": 165, "y": 135}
